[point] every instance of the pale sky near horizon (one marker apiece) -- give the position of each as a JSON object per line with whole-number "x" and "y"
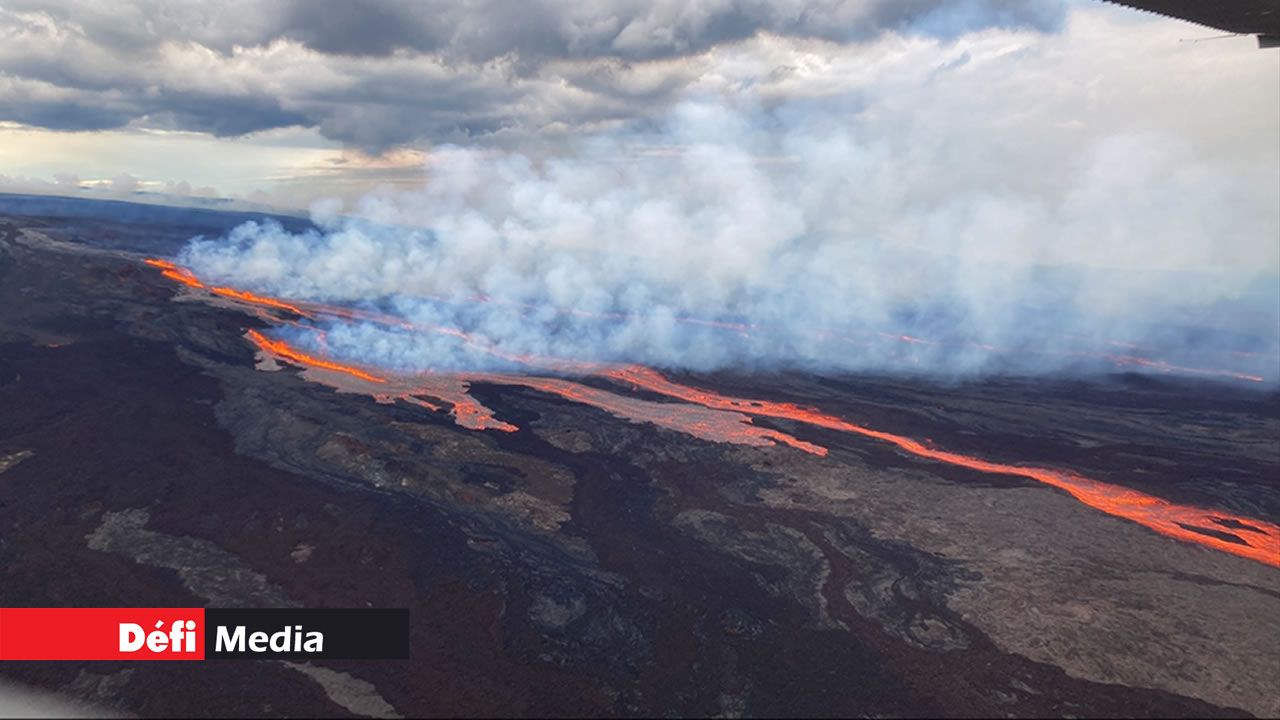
{"x": 287, "y": 106}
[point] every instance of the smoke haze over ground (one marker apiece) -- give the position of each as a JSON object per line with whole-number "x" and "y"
{"x": 1020, "y": 202}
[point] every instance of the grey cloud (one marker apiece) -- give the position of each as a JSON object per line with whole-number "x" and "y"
{"x": 361, "y": 27}
{"x": 62, "y": 115}
{"x": 534, "y": 30}
{"x": 634, "y": 30}
{"x": 222, "y": 116}
{"x": 376, "y": 73}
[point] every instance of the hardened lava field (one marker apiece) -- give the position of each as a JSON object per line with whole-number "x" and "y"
{"x": 619, "y": 540}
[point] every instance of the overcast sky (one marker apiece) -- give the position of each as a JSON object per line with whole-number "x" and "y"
{"x": 292, "y": 101}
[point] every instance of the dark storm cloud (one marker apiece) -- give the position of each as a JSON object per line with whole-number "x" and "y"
{"x": 222, "y": 116}
{"x": 361, "y": 27}
{"x": 376, "y": 73}
{"x": 635, "y": 30}
{"x": 57, "y": 115}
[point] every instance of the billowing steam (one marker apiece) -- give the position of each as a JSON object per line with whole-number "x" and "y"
{"x": 944, "y": 220}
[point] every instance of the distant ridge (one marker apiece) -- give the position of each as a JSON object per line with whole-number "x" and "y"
{"x": 217, "y": 219}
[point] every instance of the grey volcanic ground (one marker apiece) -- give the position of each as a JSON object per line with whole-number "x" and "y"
{"x": 589, "y": 565}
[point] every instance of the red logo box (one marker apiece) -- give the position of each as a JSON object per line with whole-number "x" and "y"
{"x": 101, "y": 633}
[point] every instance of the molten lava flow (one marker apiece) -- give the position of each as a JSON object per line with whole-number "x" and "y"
{"x": 253, "y": 299}
{"x": 1183, "y": 522}
{"x": 473, "y": 415}
{"x": 282, "y": 349}
{"x": 173, "y": 272}
{"x": 706, "y": 423}
{"x": 466, "y": 411}
{"x": 1162, "y": 366}
{"x": 701, "y": 422}
{"x": 315, "y": 310}
{"x": 727, "y": 419}
{"x": 186, "y": 277}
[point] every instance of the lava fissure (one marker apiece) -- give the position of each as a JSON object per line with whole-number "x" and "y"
{"x": 711, "y": 416}
{"x": 313, "y": 310}
{"x": 1155, "y": 513}
{"x": 282, "y": 349}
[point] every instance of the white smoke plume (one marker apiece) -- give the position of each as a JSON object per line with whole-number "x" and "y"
{"x": 1008, "y": 202}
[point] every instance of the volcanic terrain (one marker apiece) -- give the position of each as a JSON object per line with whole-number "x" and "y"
{"x": 616, "y": 540}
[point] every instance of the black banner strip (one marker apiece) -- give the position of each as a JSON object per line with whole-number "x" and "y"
{"x": 307, "y": 633}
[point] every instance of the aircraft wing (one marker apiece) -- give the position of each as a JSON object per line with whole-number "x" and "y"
{"x": 1250, "y": 17}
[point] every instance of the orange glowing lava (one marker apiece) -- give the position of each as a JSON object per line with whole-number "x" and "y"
{"x": 711, "y": 424}
{"x": 313, "y": 310}
{"x": 715, "y": 417}
{"x": 466, "y": 411}
{"x": 1162, "y": 366}
{"x": 453, "y": 389}
{"x": 186, "y": 277}
{"x": 1183, "y": 522}
{"x": 254, "y": 299}
{"x": 173, "y": 272}
{"x": 282, "y": 349}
